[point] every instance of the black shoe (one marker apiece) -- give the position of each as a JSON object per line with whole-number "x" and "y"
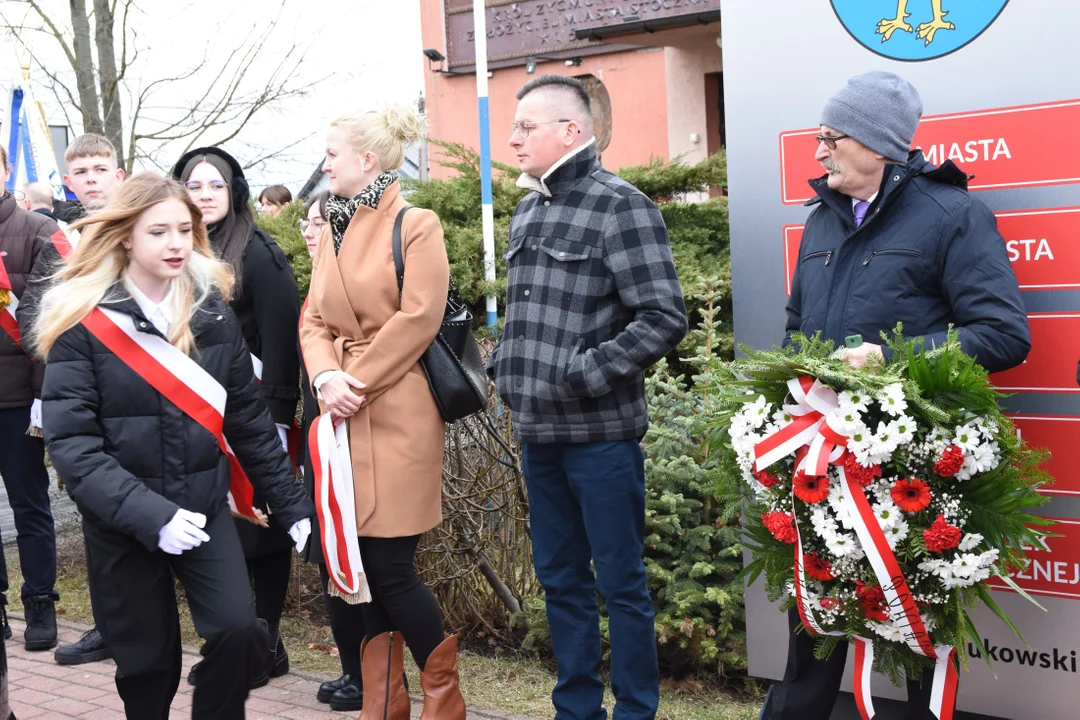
{"x": 350, "y": 697}
{"x": 7, "y": 631}
{"x": 329, "y": 687}
{"x": 89, "y": 648}
{"x": 280, "y": 664}
{"x": 191, "y": 673}
{"x": 279, "y": 658}
{"x": 40, "y": 623}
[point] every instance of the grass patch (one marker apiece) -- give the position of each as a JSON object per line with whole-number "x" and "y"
{"x": 510, "y": 682}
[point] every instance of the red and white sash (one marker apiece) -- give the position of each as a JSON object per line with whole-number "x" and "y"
{"x": 65, "y": 243}
{"x": 336, "y": 503}
{"x": 183, "y": 382}
{"x": 8, "y": 323}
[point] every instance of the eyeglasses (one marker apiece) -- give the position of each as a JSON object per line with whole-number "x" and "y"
{"x": 215, "y": 185}
{"x": 523, "y": 128}
{"x": 318, "y": 225}
{"x": 831, "y": 140}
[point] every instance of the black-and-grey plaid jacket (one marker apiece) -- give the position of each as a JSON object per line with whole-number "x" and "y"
{"x": 592, "y": 301}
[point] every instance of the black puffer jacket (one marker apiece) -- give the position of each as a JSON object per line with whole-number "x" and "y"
{"x": 22, "y": 236}
{"x": 130, "y": 458}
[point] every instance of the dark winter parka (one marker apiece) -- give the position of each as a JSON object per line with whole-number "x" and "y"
{"x": 130, "y": 458}
{"x": 927, "y": 255}
{"x": 22, "y": 236}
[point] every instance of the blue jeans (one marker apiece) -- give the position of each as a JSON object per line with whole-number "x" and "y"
{"x": 587, "y": 504}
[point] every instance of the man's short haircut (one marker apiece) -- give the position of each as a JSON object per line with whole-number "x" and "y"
{"x": 567, "y": 85}
{"x": 39, "y": 193}
{"x": 90, "y": 145}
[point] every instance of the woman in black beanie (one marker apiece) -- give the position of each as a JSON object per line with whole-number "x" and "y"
{"x": 267, "y": 303}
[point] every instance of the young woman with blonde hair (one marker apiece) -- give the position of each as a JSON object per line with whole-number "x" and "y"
{"x": 152, "y": 416}
{"x": 362, "y": 339}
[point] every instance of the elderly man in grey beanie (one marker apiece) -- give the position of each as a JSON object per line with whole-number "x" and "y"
{"x": 891, "y": 239}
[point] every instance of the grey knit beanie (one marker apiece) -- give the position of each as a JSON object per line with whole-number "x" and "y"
{"x": 879, "y": 109}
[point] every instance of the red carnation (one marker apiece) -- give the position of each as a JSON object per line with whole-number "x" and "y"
{"x": 828, "y": 603}
{"x": 781, "y": 525}
{"x": 911, "y": 495}
{"x": 810, "y": 489}
{"x": 872, "y": 600}
{"x": 952, "y": 459}
{"x": 766, "y": 478}
{"x": 860, "y": 474}
{"x": 817, "y": 568}
{"x": 941, "y": 536}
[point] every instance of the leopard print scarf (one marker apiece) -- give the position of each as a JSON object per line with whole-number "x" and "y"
{"x": 339, "y": 210}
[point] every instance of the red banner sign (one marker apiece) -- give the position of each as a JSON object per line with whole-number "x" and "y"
{"x": 1058, "y": 434}
{"x": 1054, "y": 569}
{"x": 1023, "y": 146}
{"x": 1043, "y": 245}
{"x": 1051, "y": 364}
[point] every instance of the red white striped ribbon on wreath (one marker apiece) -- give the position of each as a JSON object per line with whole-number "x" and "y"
{"x": 816, "y": 442}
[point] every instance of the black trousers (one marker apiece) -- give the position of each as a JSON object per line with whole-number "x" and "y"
{"x": 270, "y": 575}
{"x": 137, "y": 615}
{"x": 810, "y": 686}
{"x": 347, "y": 625}
{"x": 22, "y": 465}
{"x": 400, "y": 599}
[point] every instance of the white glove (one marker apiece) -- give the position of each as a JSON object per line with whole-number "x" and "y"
{"x": 183, "y": 532}
{"x": 283, "y": 433}
{"x": 299, "y": 532}
{"x": 35, "y": 414}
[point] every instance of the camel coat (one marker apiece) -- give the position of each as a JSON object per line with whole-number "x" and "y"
{"x": 354, "y": 322}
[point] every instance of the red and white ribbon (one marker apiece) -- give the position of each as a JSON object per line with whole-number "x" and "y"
{"x": 816, "y": 439}
{"x": 65, "y": 243}
{"x": 8, "y": 323}
{"x": 183, "y": 382}
{"x": 335, "y": 501}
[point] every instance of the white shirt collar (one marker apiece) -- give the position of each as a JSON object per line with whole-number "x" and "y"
{"x": 869, "y": 200}
{"x": 160, "y": 314}
{"x": 528, "y": 182}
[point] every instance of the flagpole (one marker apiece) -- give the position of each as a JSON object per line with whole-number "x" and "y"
{"x": 487, "y": 213}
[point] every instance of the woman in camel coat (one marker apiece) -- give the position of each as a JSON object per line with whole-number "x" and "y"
{"x": 362, "y": 347}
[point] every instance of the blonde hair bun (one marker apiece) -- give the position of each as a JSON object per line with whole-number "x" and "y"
{"x": 404, "y": 123}
{"x": 386, "y": 132}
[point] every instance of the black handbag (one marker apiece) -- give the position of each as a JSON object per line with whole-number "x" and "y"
{"x": 454, "y": 369}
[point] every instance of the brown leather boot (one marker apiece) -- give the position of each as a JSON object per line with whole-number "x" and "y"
{"x": 382, "y": 667}
{"x": 439, "y": 679}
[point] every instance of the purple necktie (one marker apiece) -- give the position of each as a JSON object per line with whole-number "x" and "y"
{"x": 860, "y": 211}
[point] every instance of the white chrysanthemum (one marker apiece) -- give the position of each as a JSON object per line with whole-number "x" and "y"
{"x": 888, "y": 515}
{"x": 897, "y": 533}
{"x": 936, "y": 567}
{"x": 823, "y": 522}
{"x": 842, "y": 544}
{"x": 968, "y": 469}
{"x": 758, "y": 411}
{"x": 892, "y": 399}
{"x": 854, "y": 400}
{"x": 782, "y": 417}
{"x": 967, "y": 437}
{"x": 985, "y": 457}
{"x": 970, "y": 542}
{"x": 847, "y": 421}
{"x": 988, "y": 558}
{"x": 902, "y": 429}
{"x": 836, "y": 502}
{"x": 964, "y": 566}
{"x": 888, "y": 631}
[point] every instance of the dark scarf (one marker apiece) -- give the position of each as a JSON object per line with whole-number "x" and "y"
{"x": 339, "y": 210}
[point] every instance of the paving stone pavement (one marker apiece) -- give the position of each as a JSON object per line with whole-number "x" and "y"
{"x": 39, "y": 688}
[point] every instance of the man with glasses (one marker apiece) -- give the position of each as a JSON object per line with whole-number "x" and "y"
{"x": 892, "y": 239}
{"x": 93, "y": 175}
{"x": 592, "y": 301}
